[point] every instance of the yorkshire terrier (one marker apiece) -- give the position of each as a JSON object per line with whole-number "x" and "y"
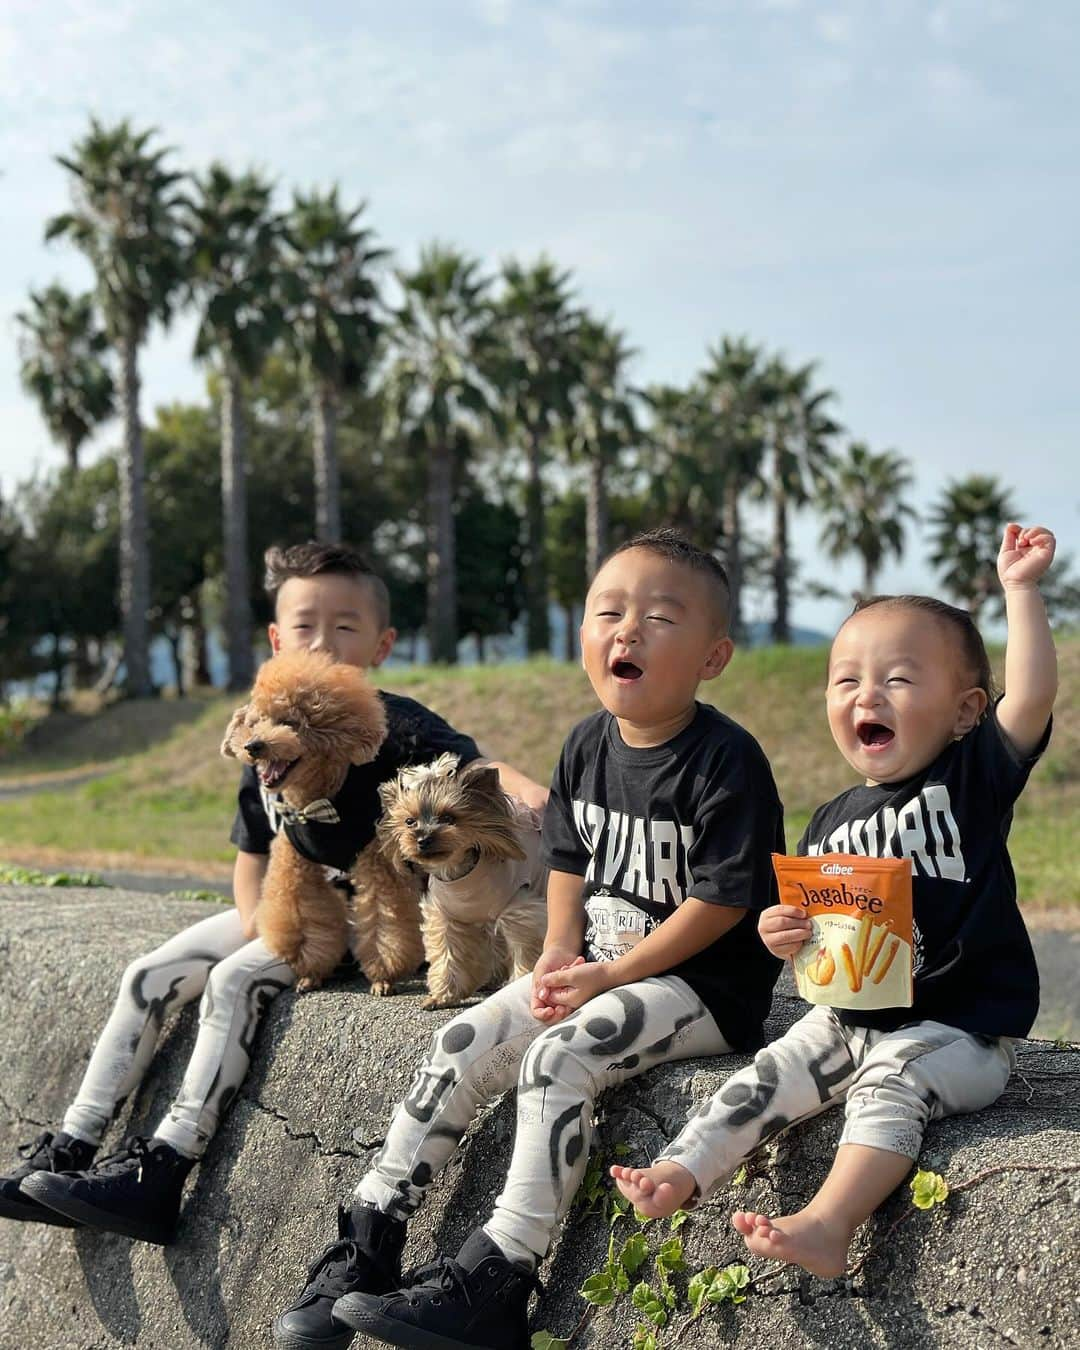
{"x": 308, "y": 721}
{"x": 484, "y": 911}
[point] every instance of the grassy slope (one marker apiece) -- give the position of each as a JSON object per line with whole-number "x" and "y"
{"x": 174, "y": 800}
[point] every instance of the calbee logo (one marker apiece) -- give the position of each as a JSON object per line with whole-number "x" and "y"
{"x": 835, "y": 870}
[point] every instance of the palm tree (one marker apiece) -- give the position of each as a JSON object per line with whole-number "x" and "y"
{"x": 798, "y": 432}
{"x": 966, "y": 527}
{"x": 538, "y": 323}
{"x": 439, "y": 392}
{"x": 235, "y": 254}
{"x": 602, "y": 423}
{"x": 683, "y": 482}
{"x": 862, "y": 508}
{"x": 332, "y": 308}
{"x": 126, "y": 219}
{"x": 61, "y": 363}
{"x": 737, "y": 392}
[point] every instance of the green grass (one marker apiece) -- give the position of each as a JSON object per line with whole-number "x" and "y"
{"x": 170, "y": 796}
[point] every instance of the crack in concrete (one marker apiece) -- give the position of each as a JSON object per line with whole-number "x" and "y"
{"x": 300, "y": 1135}
{"x": 17, "y": 1117}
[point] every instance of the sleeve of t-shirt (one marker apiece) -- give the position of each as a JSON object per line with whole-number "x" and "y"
{"x": 997, "y": 761}
{"x": 561, "y": 847}
{"x": 251, "y": 832}
{"x": 738, "y": 825}
{"x": 437, "y": 737}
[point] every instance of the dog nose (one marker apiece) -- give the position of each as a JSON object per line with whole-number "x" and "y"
{"x": 255, "y": 748}
{"x": 425, "y": 843}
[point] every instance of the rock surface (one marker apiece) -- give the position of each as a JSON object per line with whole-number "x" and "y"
{"x": 997, "y": 1265}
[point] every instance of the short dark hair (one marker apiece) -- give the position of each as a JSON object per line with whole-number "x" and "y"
{"x": 675, "y": 547}
{"x": 314, "y": 559}
{"x": 959, "y": 620}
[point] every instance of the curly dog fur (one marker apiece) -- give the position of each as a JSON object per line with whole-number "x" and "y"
{"x": 308, "y": 720}
{"x": 484, "y": 909}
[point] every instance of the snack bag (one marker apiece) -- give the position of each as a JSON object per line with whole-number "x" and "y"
{"x": 859, "y": 954}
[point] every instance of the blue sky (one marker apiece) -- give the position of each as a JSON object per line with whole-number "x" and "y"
{"x": 888, "y": 186}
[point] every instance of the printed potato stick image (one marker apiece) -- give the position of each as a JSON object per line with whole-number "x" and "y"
{"x": 894, "y": 947}
{"x": 854, "y": 979}
{"x": 865, "y": 924}
{"x": 860, "y": 952}
{"x": 876, "y": 943}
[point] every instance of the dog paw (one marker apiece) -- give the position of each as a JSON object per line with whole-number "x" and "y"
{"x": 381, "y": 988}
{"x": 307, "y": 983}
{"x": 433, "y": 1002}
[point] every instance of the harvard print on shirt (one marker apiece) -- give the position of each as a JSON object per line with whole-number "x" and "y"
{"x": 973, "y": 963}
{"x": 649, "y": 828}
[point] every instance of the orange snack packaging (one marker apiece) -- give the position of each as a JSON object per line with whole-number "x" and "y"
{"x": 859, "y": 954}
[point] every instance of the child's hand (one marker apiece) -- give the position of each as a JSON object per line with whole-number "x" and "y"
{"x": 1026, "y": 553}
{"x": 570, "y": 988}
{"x": 783, "y": 929}
{"x": 555, "y": 958}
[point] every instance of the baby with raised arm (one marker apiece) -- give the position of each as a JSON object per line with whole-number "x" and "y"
{"x": 910, "y": 707}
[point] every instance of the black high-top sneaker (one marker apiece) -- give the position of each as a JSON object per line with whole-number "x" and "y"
{"x": 477, "y": 1302}
{"x": 366, "y": 1257}
{"x": 58, "y": 1152}
{"x": 135, "y": 1192}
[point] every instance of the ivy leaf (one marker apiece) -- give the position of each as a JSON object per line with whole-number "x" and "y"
{"x": 670, "y": 1255}
{"x": 599, "y": 1289}
{"x": 678, "y": 1219}
{"x": 740, "y": 1176}
{"x": 699, "y": 1289}
{"x": 622, "y": 1150}
{"x": 726, "y": 1286}
{"x": 643, "y": 1219}
{"x": 667, "y": 1291}
{"x": 621, "y": 1279}
{"x": 644, "y": 1339}
{"x": 928, "y": 1189}
{"x": 619, "y": 1206}
{"x": 645, "y": 1300}
{"x": 634, "y": 1251}
{"x": 544, "y": 1340}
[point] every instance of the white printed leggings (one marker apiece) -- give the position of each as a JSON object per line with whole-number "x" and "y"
{"x": 237, "y": 979}
{"x": 558, "y": 1069}
{"x": 891, "y": 1082}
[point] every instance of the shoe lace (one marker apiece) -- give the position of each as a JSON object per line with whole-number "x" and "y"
{"x": 329, "y": 1273}
{"x": 443, "y": 1274}
{"x": 45, "y": 1151}
{"x": 132, "y": 1153}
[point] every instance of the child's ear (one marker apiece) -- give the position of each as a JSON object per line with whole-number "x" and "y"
{"x": 274, "y": 634}
{"x": 971, "y": 707}
{"x": 719, "y": 655}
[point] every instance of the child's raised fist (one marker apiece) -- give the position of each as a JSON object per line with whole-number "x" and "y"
{"x": 1026, "y": 553}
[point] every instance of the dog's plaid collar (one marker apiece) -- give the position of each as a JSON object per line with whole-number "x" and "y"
{"x": 321, "y": 812}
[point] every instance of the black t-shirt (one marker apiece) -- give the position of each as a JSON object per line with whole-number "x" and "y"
{"x": 415, "y": 735}
{"x": 647, "y": 828}
{"x": 973, "y": 963}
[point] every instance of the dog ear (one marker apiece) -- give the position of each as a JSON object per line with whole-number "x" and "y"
{"x": 234, "y": 722}
{"x": 482, "y": 778}
{"x": 388, "y": 791}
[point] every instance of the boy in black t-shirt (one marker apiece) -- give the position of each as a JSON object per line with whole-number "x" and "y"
{"x": 325, "y": 598}
{"x": 908, "y": 691}
{"x": 662, "y": 818}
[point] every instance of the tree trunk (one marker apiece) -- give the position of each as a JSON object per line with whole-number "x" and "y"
{"x": 58, "y": 673}
{"x": 234, "y": 530}
{"x": 732, "y": 531}
{"x": 569, "y": 645}
{"x": 134, "y": 554}
{"x": 199, "y": 643}
{"x": 480, "y": 653}
{"x": 327, "y": 479}
{"x": 781, "y": 562}
{"x": 596, "y": 518}
{"x": 175, "y": 637}
{"x": 869, "y": 579}
{"x": 537, "y": 625}
{"x": 441, "y": 560}
{"x": 73, "y": 445}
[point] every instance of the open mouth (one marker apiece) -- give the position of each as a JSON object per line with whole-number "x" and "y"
{"x": 874, "y": 735}
{"x": 626, "y": 670}
{"x": 273, "y": 772}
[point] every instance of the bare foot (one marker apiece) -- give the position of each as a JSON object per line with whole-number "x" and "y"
{"x": 800, "y": 1239}
{"x": 655, "y": 1191}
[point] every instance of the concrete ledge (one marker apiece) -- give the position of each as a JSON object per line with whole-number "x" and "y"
{"x": 997, "y": 1265}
